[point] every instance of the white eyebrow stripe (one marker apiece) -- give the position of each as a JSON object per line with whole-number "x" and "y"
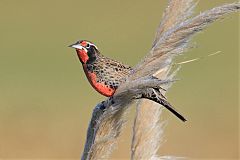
{"x": 92, "y": 45}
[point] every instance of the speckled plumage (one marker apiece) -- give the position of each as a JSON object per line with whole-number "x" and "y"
{"x": 110, "y": 72}
{"x": 105, "y": 74}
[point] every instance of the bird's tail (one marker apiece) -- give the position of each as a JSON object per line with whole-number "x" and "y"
{"x": 156, "y": 96}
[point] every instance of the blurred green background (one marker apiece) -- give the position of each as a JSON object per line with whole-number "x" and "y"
{"x": 46, "y": 101}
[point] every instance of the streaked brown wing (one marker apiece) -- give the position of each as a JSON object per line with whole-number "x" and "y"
{"x": 114, "y": 72}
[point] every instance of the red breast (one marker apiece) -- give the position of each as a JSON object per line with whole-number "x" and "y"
{"x": 100, "y": 87}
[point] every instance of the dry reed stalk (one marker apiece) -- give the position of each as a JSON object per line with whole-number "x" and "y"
{"x": 172, "y": 38}
{"x": 148, "y": 129}
{"x": 103, "y": 131}
{"x": 108, "y": 117}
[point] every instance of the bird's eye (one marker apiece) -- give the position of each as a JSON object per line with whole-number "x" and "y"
{"x": 87, "y": 46}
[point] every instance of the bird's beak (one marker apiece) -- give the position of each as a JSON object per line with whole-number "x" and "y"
{"x": 77, "y": 46}
{"x": 71, "y": 45}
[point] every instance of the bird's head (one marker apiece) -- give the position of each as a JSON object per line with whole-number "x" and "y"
{"x": 86, "y": 51}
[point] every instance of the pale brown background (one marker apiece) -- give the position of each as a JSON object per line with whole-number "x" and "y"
{"x": 46, "y": 102}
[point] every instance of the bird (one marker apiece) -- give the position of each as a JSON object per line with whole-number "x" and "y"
{"x": 105, "y": 75}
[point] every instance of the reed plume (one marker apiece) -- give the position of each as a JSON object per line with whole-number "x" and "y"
{"x": 172, "y": 38}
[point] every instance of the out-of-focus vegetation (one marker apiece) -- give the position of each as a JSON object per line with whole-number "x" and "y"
{"x": 46, "y": 101}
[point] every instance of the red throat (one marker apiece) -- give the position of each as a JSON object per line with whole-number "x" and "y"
{"x": 82, "y": 55}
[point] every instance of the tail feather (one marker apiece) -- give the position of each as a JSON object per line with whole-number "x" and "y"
{"x": 156, "y": 97}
